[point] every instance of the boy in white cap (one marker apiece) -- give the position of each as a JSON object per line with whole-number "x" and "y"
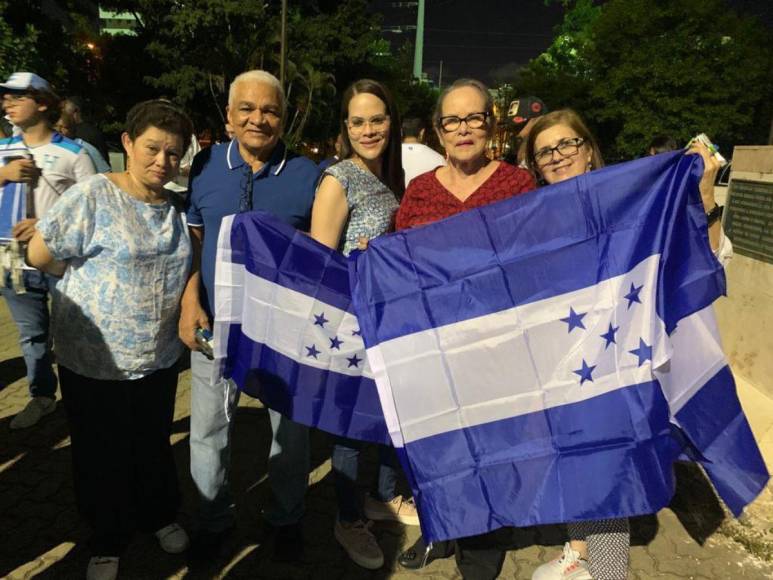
{"x": 36, "y": 167}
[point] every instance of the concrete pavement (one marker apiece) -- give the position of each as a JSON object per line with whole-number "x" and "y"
{"x": 41, "y": 535}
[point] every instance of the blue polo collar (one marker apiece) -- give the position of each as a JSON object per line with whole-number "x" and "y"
{"x": 276, "y": 163}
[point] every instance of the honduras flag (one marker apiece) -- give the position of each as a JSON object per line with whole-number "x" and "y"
{"x": 543, "y": 359}
{"x": 13, "y": 195}
{"x": 284, "y": 320}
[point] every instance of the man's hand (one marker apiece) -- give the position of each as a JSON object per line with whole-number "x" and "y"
{"x": 192, "y": 316}
{"x": 22, "y": 171}
{"x": 24, "y": 230}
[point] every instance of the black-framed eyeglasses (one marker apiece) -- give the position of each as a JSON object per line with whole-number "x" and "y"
{"x": 565, "y": 148}
{"x": 473, "y": 121}
{"x": 245, "y": 198}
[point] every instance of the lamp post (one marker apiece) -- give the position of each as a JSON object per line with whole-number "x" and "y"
{"x": 283, "y": 45}
{"x": 418, "y": 51}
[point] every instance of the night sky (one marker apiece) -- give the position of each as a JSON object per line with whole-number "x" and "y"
{"x": 487, "y": 39}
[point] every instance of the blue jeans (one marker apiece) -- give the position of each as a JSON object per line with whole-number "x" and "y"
{"x": 346, "y": 462}
{"x": 30, "y": 312}
{"x": 288, "y": 461}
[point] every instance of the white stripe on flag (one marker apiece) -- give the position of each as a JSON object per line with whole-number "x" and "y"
{"x": 697, "y": 357}
{"x": 284, "y": 320}
{"x": 520, "y": 360}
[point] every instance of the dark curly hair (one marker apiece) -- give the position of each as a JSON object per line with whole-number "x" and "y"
{"x": 161, "y": 114}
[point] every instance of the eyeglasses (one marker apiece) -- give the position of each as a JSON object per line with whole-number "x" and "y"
{"x": 245, "y": 198}
{"x": 356, "y": 125}
{"x": 565, "y": 148}
{"x": 473, "y": 121}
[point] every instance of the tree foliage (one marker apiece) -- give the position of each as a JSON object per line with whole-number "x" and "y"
{"x": 17, "y": 51}
{"x": 638, "y": 68}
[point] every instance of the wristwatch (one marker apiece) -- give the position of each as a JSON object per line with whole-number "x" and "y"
{"x": 715, "y": 214}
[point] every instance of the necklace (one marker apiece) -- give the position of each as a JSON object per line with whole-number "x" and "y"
{"x": 134, "y": 189}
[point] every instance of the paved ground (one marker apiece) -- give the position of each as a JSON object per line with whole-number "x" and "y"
{"x": 41, "y": 535}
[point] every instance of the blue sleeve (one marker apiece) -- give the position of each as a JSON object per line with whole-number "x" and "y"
{"x": 68, "y": 227}
{"x": 192, "y": 212}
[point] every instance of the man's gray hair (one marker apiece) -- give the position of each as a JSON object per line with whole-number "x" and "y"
{"x": 257, "y": 76}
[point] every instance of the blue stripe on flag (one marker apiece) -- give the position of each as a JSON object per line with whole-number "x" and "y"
{"x": 609, "y": 456}
{"x": 715, "y": 424}
{"x": 542, "y": 244}
{"x": 275, "y": 251}
{"x": 340, "y": 404}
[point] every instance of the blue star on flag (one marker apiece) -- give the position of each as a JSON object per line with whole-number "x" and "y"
{"x": 574, "y": 320}
{"x": 644, "y": 352}
{"x": 586, "y": 372}
{"x": 312, "y": 351}
{"x": 336, "y": 343}
{"x": 356, "y": 332}
{"x": 609, "y": 335}
{"x": 320, "y": 320}
{"x": 354, "y": 361}
{"x": 633, "y": 295}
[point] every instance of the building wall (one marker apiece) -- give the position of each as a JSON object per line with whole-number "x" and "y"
{"x": 746, "y": 315}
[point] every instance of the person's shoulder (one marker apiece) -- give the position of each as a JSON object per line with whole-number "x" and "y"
{"x": 9, "y": 141}
{"x": 210, "y": 159}
{"x": 299, "y": 168}
{"x": 341, "y": 168}
{"x": 424, "y": 181}
{"x": 515, "y": 175}
{"x": 67, "y": 144}
{"x": 90, "y": 191}
{"x": 300, "y": 163}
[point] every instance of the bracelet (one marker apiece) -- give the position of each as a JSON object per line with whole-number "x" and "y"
{"x": 715, "y": 214}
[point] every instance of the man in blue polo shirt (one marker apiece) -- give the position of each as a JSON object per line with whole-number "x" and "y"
{"x": 254, "y": 171}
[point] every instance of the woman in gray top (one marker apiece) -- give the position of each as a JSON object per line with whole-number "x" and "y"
{"x": 356, "y": 201}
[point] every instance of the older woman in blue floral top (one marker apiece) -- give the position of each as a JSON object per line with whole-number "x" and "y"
{"x": 124, "y": 252}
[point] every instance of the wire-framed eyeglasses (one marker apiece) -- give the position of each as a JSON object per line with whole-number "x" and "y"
{"x": 356, "y": 125}
{"x": 565, "y": 148}
{"x": 451, "y": 123}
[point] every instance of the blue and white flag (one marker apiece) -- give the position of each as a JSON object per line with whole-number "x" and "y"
{"x": 284, "y": 320}
{"x": 13, "y": 195}
{"x": 543, "y": 359}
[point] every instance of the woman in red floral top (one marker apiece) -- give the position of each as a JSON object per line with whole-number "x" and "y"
{"x": 464, "y": 121}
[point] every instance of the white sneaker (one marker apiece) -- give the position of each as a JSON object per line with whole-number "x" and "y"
{"x": 36, "y": 409}
{"x": 361, "y": 545}
{"x": 102, "y": 568}
{"x": 568, "y": 566}
{"x": 173, "y": 539}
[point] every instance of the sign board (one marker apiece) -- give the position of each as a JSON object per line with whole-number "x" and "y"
{"x": 749, "y": 218}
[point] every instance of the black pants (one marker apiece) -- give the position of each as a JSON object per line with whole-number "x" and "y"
{"x": 481, "y": 557}
{"x": 123, "y": 467}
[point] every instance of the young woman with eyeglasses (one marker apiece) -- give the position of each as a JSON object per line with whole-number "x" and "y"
{"x": 356, "y": 201}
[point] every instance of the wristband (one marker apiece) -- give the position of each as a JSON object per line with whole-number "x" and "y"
{"x": 715, "y": 214}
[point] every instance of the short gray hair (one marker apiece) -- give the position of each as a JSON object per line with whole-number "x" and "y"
{"x": 258, "y": 76}
{"x": 461, "y": 83}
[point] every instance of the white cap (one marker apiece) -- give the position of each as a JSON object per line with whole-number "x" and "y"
{"x": 24, "y": 81}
